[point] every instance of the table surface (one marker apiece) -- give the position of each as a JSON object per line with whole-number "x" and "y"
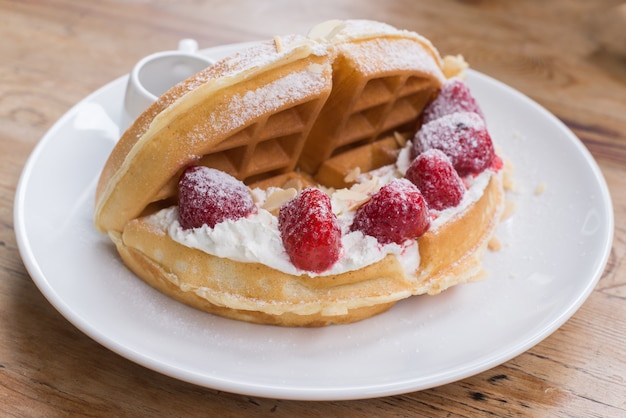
{"x": 55, "y": 52}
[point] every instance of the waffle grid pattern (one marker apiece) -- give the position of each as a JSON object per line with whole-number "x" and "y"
{"x": 266, "y": 148}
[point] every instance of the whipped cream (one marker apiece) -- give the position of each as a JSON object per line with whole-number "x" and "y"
{"x": 256, "y": 238}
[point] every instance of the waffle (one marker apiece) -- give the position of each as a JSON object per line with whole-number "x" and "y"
{"x": 256, "y": 293}
{"x": 248, "y": 115}
{"x": 369, "y": 101}
{"x": 290, "y": 112}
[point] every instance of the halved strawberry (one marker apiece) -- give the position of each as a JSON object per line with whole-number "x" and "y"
{"x": 310, "y": 232}
{"x": 395, "y": 213}
{"x": 207, "y": 196}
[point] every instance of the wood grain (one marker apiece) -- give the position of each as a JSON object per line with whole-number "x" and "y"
{"x": 56, "y": 52}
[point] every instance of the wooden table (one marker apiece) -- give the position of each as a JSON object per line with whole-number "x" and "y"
{"x": 55, "y": 52}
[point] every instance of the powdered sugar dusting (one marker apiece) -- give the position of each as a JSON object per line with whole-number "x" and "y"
{"x": 266, "y": 99}
{"x": 462, "y": 136}
{"x": 225, "y": 72}
{"x": 218, "y": 184}
{"x": 209, "y": 196}
{"x": 395, "y": 213}
{"x": 400, "y": 54}
{"x": 363, "y": 39}
{"x": 258, "y": 56}
{"x": 432, "y": 172}
{"x": 444, "y": 132}
{"x": 360, "y": 29}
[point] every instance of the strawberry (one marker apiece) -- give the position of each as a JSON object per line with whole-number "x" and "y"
{"x": 395, "y": 213}
{"x": 310, "y": 231}
{"x": 454, "y": 96}
{"x": 462, "y": 136}
{"x": 207, "y": 196}
{"x": 432, "y": 172}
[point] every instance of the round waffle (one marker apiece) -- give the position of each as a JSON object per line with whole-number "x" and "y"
{"x": 294, "y": 110}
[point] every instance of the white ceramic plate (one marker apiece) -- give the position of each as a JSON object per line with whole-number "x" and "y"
{"x": 555, "y": 249}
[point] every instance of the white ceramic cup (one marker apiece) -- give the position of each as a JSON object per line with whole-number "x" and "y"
{"x": 155, "y": 74}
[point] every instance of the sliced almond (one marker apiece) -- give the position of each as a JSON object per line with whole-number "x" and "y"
{"x": 352, "y": 175}
{"x": 278, "y": 197}
{"x": 278, "y": 43}
{"x": 294, "y": 183}
{"x": 367, "y": 187}
{"x": 400, "y": 139}
{"x": 325, "y": 31}
{"x": 345, "y": 200}
{"x": 454, "y": 66}
{"x": 348, "y": 194}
